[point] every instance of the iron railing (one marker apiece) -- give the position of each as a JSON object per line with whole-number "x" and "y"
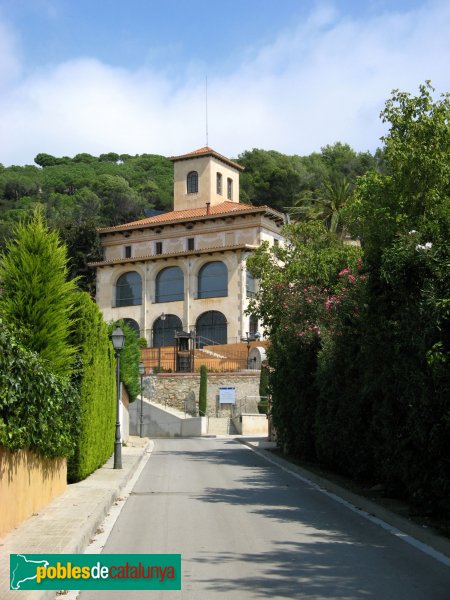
{"x": 164, "y": 360}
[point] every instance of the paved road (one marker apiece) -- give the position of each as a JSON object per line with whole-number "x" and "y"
{"x": 248, "y": 530}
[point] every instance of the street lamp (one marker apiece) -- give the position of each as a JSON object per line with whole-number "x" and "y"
{"x": 141, "y": 422}
{"x": 118, "y": 341}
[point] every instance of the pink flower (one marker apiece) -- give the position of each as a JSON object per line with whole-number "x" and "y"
{"x": 344, "y": 272}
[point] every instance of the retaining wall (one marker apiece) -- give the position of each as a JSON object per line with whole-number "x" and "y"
{"x": 28, "y": 482}
{"x": 180, "y": 390}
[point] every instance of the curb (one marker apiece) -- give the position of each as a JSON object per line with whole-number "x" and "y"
{"x": 101, "y": 509}
{"x": 427, "y": 536}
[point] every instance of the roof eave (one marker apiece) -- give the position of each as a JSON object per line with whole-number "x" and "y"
{"x": 231, "y": 213}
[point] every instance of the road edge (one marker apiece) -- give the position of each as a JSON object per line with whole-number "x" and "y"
{"x": 364, "y": 506}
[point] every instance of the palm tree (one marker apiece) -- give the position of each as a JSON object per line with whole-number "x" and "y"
{"x": 324, "y": 204}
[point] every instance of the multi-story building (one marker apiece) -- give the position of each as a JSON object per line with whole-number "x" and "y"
{"x": 186, "y": 269}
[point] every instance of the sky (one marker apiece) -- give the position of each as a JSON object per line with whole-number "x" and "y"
{"x": 130, "y": 77}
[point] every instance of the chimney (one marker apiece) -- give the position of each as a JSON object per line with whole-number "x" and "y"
{"x": 208, "y": 208}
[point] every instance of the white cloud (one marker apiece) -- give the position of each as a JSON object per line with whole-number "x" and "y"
{"x": 324, "y": 80}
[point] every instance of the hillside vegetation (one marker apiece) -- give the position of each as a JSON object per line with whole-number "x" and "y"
{"x": 82, "y": 193}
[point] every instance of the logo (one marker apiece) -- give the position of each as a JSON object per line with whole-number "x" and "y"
{"x": 95, "y": 571}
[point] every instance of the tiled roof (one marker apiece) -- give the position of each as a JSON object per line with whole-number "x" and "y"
{"x": 207, "y": 151}
{"x": 224, "y": 208}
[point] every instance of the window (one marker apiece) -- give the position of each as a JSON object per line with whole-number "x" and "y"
{"x": 191, "y": 244}
{"x": 158, "y": 247}
{"x": 134, "y": 325}
{"x": 251, "y": 285}
{"x": 129, "y": 289}
{"x": 219, "y": 183}
{"x": 229, "y": 188}
{"x": 192, "y": 182}
{"x": 211, "y": 327}
{"x": 213, "y": 280}
{"x": 127, "y": 251}
{"x": 169, "y": 285}
{"x": 253, "y": 325}
{"x": 164, "y": 329}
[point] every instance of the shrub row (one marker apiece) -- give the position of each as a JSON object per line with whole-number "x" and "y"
{"x": 38, "y": 408}
{"x": 96, "y": 382}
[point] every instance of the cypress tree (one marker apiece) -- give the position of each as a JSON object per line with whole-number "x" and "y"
{"x": 37, "y": 297}
{"x": 202, "y": 396}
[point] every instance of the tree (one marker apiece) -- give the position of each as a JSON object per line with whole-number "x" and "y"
{"x": 325, "y": 204}
{"x": 202, "y": 395}
{"x": 37, "y": 297}
{"x": 119, "y": 200}
{"x": 403, "y": 220}
{"x": 295, "y": 283}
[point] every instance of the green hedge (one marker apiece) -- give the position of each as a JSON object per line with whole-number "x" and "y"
{"x": 96, "y": 383}
{"x": 130, "y": 358}
{"x": 38, "y": 409}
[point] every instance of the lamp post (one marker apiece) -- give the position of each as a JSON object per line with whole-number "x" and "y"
{"x": 247, "y": 339}
{"x": 163, "y": 319}
{"x": 118, "y": 341}
{"x": 141, "y": 422}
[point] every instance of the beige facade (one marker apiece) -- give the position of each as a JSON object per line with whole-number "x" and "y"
{"x": 204, "y": 228}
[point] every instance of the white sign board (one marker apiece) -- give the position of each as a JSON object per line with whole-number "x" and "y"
{"x": 227, "y": 395}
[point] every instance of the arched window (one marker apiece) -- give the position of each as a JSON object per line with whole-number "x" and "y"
{"x": 164, "y": 329}
{"x": 211, "y": 327}
{"x": 132, "y": 324}
{"x": 169, "y": 285}
{"x": 192, "y": 182}
{"x": 213, "y": 280}
{"x": 129, "y": 289}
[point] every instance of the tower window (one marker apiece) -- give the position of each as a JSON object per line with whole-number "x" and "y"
{"x": 229, "y": 188}
{"x": 158, "y": 247}
{"x": 192, "y": 182}
{"x": 127, "y": 251}
{"x": 191, "y": 244}
{"x": 219, "y": 183}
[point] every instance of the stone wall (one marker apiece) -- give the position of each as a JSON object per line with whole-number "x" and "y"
{"x": 28, "y": 482}
{"x": 180, "y": 390}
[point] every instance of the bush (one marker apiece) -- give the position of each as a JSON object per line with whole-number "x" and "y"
{"x": 202, "y": 395}
{"x": 38, "y": 409}
{"x": 96, "y": 383}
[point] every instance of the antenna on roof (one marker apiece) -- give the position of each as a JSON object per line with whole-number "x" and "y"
{"x": 206, "y": 108}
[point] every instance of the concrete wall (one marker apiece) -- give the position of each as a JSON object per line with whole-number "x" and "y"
{"x": 251, "y": 424}
{"x": 158, "y": 422}
{"x": 28, "y": 482}
{"x": 174, "y": 389}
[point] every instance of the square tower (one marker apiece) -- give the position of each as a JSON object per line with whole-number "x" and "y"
{"x": 204, "y": 176}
